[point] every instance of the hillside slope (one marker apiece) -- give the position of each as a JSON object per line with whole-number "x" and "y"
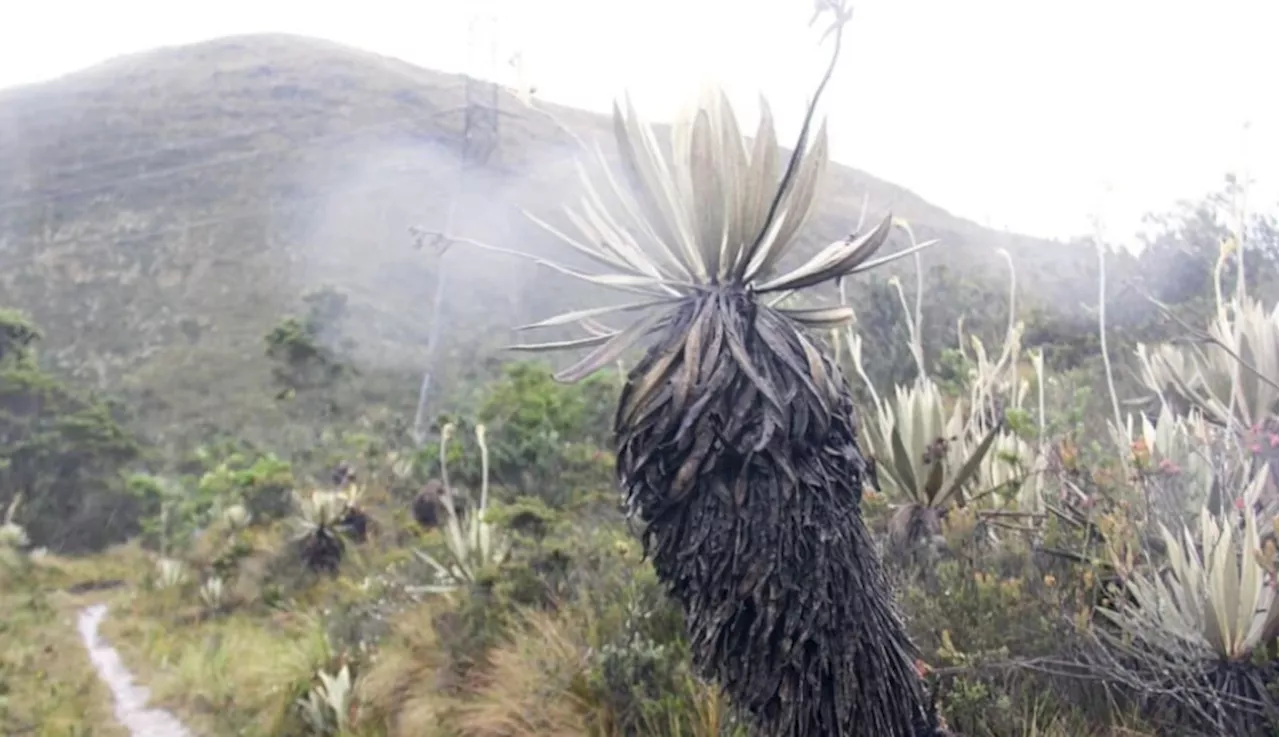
{"x": 160, "y": 211}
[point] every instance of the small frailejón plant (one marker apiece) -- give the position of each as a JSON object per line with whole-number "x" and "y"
{"x": 924, "y": 457}
{"x": 236, "y": 517}
{"x": 472, "y": 543}
{"x": 932, "y": 453}
{"x": 1194, "y": 634}
{"x": 326, "y": 707}
{"x": 13, "y": 535}
{"x": 213, "y": 593}
{"x": 1229, "y": 373}
{"x": 736, "y": 441}
{"x": 319, "y": 522}
{"x": 170, "y": 573}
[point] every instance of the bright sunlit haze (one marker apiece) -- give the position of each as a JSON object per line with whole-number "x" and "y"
{"x": 1030, "y": 117}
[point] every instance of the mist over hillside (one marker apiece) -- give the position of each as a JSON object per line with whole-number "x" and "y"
{"x": 161, "y": 211}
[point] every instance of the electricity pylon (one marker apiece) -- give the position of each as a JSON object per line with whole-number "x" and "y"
{"x": 480, "y": 148}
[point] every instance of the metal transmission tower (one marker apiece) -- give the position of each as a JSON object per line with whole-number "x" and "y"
{"x": 480, "y": 120}
{"x": 480, "y": 146}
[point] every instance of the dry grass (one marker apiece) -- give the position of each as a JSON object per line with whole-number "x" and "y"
{"x": 398, "y": 693}
{"x": 241, "y": 673}
{"x": 535, "y": 686}
{"x": 234, "y": 672}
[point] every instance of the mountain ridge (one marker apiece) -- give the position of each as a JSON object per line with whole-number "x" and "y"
{"x": 159, "y": 211}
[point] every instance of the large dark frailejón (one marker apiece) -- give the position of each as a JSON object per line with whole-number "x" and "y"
{"x": 744, "y": 466}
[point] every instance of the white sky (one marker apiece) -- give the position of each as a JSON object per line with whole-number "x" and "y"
{"x": 1021, "y": 114}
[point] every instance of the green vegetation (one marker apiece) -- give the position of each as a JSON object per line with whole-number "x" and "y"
{"x": 1025, "y": 545}
{"x": 61, "y": 450}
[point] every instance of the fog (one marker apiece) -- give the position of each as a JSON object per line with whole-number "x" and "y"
{"x": 178, "y": 239}
{"x": 358, "y": 239}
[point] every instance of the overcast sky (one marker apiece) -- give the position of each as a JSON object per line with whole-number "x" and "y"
{"x": 1021, "y": 114}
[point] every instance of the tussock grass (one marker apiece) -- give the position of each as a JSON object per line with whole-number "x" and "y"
{"x": 234, "y": 674}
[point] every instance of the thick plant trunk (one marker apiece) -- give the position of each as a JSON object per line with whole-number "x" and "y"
{"x": 745, "y": 467}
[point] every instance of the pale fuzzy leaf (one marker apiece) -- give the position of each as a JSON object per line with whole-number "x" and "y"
{"x": 820, "y": 317}
{"x": 801, "y": 195}
{"x": 626, "y": 282}
{"x": 632, "y": 282}
{"x": 854, "y": 249}
{"x": 793, "y": 206}
{"x": 563, "y": 345}
{"x": 761, "y": 181}
{"x": 681, "y": 139}
{"x": 1222, "y": 583}
{"x": 660, "y": 192}
{"x": 763, "y": 250}
{"x": 651, "y": 193}
{"x": 594, "y": 253}
{"x": 836, "y": 264}
{"x": 706, "y": 191}
{"x": 1251, "y": 581}
{"x": 733, "y": 152}
{"x": 779, "y": 201}
{"x": 877, "y": 263}
{"x": 610, "y": 351}
{"x": 632, "y": 208}
{"x": 580, "y": 315}
{"x": 595, "y": 327}
{"x": 636, "y": 283}
{"x": 603, "y": 239}
{"x": 624, "y": 243}
{"x": 616, "y": 241}
{"x": 431, "y": 561}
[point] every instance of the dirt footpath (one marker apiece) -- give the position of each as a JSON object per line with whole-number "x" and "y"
{"x": 130, "y": 700}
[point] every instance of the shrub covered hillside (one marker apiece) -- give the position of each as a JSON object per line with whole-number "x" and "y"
{"x": 1059, "y": 572}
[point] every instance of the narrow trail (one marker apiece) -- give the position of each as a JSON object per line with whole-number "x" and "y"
{"x": 130, "y": 700}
